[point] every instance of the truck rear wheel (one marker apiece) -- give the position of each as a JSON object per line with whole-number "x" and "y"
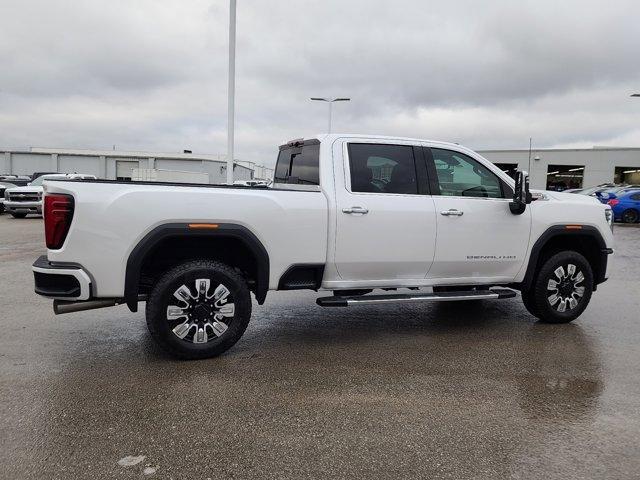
{"x": 198, "y": 309}
{"x": 562, "y": 288}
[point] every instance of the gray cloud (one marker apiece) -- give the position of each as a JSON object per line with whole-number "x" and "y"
{"x": 151, "y": 75}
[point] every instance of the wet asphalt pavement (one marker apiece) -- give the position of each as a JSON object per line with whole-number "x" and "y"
{"x": 469, "y": 390}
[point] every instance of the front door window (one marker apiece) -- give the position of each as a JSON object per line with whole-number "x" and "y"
{"x": 462, "y": 176}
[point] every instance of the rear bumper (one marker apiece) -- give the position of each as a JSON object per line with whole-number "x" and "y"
{"x": 61, "y": 281}
{"x": 22, "y": 207}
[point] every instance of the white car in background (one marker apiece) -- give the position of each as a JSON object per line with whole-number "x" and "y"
{"x": 252, "y": 183}
{"x": 21, "y": 201}
{"x": 4, "y": 186}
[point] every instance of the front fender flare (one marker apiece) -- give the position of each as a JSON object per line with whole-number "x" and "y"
{"x": 568, "y": 231}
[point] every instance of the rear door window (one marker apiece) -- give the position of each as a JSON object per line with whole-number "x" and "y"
{"x": 381, "y": 168}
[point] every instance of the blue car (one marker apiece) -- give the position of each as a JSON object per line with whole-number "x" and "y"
{"x": 612, "y": 192}
{"x": 626, "y": 206}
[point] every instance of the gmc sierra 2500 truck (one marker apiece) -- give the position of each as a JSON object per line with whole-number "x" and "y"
{"x": 425, "y": 221}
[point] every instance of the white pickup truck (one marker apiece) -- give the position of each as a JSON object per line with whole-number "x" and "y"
{"x": 423, "y": 220}
{"x": 22, "y": 201}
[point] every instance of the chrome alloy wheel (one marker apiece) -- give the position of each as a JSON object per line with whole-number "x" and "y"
{"x": 203, "y": 316}
{"x": 565, "y": 289}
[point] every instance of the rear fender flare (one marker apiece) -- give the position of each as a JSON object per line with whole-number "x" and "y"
{"x": 162, "y": 232}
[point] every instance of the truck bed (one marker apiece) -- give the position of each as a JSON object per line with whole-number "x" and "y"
{"x": 112, "y": 216}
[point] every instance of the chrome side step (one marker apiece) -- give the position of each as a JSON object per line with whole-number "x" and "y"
{"x": 347, "y": 301}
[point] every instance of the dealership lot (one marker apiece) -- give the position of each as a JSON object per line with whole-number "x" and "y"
{"x": 440, "y": 391}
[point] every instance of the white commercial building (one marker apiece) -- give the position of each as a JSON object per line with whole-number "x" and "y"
{"x": 118, "y": 165}
{"x": 571, "y": 168}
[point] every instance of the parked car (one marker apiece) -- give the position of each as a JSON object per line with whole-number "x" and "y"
{"x": 594, "y": 190}
{"x": 626, "y": 206}
{"x": 40, "y": 174}
{"x": 17, "y": 180}
{"x": 21, "y": 201}
{"x": 608, "y": 193}
{"x": 252, "y": 183}
{"x": 443, "y": 217}
{"x": 3, "y": 187}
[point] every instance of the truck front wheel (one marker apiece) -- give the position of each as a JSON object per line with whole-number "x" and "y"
{"x": 529, "y": 302}
{"x": 562, "y": 288}
{"x": 198, "y": 309}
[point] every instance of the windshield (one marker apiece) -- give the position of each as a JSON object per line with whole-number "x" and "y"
{"x": 38, "y": 181}
{"x": 589, "y": 191}
{"x": 613, "y": 190}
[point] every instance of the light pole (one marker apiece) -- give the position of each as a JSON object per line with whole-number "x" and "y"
{"x": 330, "y": 102}
{"x": 232, "y": 89}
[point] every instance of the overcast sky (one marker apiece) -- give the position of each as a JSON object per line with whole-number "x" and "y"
{"x": 152, "y": 74}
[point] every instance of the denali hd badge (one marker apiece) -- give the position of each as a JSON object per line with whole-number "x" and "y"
{"x": 491, "y": 257}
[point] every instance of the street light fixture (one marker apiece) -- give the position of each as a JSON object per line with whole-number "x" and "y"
{"x": 635, "y": 94}
{"x": 330, "y": 102}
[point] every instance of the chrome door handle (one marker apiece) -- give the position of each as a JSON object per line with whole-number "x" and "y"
{"x": 361, "y": 210}
{"x": 452, "y": 213}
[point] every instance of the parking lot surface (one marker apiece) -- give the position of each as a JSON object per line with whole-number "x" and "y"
{"x": 469, "y": 390}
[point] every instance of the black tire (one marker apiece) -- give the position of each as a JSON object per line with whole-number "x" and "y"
{"x": 203, "y": 310}
{"x": 566, "y": 299}
{"x": 529, "y": 302}
{"x": 630, "y": 215}
{"x": 18, "y": 215}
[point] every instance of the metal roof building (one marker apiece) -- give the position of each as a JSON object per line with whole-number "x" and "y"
{"x": 114, "y": 164}
{"x": 572, "y": 167}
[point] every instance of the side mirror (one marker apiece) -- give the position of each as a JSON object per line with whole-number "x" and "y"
{"x": 521, "y": 194}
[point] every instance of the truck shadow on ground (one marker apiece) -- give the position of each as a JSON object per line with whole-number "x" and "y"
{"x": 549, "y": 364}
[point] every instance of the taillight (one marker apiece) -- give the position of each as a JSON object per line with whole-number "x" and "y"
{"x": 58, "y": 212}
{"x": 613, "y": 202}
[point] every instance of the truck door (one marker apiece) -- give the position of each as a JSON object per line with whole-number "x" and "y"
{"x": 385, "y": 221}
{"x": 478, "y": 237}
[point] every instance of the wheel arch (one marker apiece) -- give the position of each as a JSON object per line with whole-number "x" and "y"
{"x": 584, "y": 239}
{"x": 184, "y": 236}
